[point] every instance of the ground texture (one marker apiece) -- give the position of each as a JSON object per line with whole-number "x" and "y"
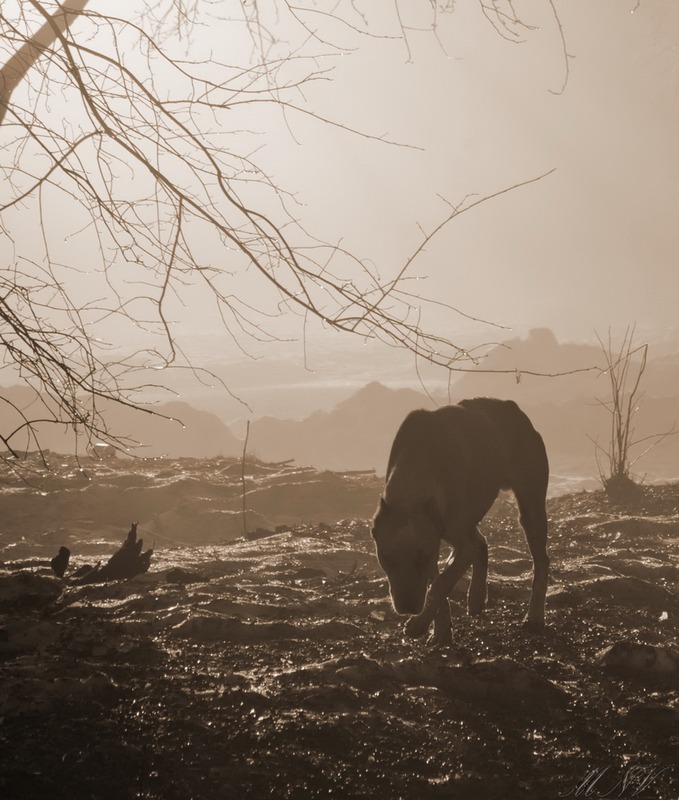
{"x": 272, "y": 665}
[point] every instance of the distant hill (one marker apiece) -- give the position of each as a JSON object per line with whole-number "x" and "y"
{"x": 357, "y": 434}
{"x": 504, "y": 371}
{"x": 566, "y": 409}
{"x": 567, "y": 371}
{"x": 175, "y": 429}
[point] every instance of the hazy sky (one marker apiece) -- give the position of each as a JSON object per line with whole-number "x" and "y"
{"x": 593, "y": 244}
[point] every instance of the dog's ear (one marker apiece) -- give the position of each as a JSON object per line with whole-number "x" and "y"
{"x": 381, "y": 511}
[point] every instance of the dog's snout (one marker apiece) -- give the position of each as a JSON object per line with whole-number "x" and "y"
{"x": 407, "y": 605}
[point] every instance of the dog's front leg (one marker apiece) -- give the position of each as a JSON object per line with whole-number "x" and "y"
{"x": 440, "y": 589}
{"x": 443, "y": 628}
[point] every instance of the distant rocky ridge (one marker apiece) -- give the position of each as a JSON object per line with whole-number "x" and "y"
{"x": 348, "y": 439}
{"x": 174, "y": 429}
{"x": 564, "y": 371}
{"x": 354, "y": 435}
{"x": 565, "y": 408}
{"x": 357, "y": 433}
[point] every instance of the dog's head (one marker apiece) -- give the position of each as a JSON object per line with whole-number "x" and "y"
{"x": 407, "y": 543}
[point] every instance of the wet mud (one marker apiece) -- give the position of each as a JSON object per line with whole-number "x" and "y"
{"x": 275, "y": 667}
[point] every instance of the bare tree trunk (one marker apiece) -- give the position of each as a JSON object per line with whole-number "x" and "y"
{"x": 14, "y": 71}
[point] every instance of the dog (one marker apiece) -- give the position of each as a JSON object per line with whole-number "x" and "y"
{"x": 445, "y": 470}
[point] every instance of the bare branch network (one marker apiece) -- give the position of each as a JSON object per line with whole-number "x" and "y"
{"x": 625, "y": 365}
{"x": 129, "y": 140}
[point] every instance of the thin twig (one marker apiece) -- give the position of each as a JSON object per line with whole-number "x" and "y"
{"x": 242, "y": 476}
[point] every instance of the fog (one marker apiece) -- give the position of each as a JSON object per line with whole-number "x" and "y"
{"x": 577, "y": 112}
{"x": 592, "y": 245}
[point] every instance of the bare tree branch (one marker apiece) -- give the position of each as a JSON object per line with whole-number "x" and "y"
{"x": 128, "y": 140}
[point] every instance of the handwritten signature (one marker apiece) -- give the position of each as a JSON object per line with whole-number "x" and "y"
{"x": 605, "y": 782}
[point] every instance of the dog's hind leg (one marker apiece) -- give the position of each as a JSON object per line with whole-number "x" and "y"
{"x": 530, "y": 477}
{"x": 531, "y": 494}
{"x": 478, "y": 588}
{"x": 534, "y": 522}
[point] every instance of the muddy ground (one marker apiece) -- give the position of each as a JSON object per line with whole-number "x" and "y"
{"x": 272, "y": 666}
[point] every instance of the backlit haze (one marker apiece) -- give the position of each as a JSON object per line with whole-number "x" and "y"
{"x": 591, "y": 246}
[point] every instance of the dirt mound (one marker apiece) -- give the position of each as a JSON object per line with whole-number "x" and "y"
{"x": 177, "y": 502}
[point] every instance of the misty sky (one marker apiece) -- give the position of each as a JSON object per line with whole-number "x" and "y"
{"x": 593, "y": 244}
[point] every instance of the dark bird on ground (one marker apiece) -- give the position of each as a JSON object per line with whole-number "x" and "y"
{"x": 60, "y": 562}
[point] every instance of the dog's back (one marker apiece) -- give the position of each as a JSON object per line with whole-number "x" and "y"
{"x": 526, "y": 466}
{"x": 455, "y": 449}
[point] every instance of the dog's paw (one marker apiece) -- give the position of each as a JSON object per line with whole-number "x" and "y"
{"x": 441, "y": 639}
{"x": 416, "y": 626}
